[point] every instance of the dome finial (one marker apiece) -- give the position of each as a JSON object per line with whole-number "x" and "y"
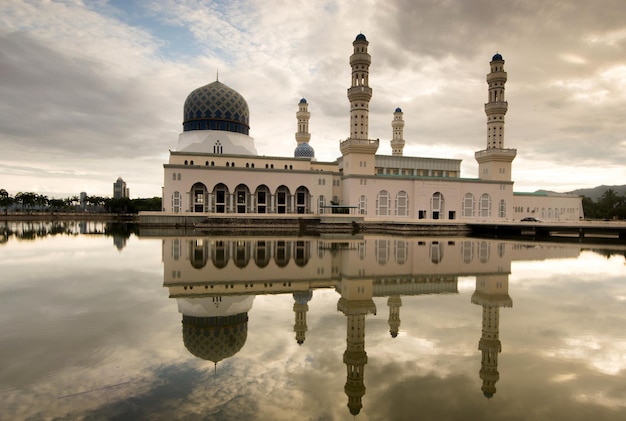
{"x": 217, "y": 75}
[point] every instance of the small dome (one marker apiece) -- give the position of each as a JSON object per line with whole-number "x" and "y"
{"x": 303, "y": 101}
{"x": 496, "y": 57}
{"x": 304, "y": 150}
{"x": 216, "y": 107}
{"x": 303, "y": 297}
{"x": 398, "y": 110}
{"x": 360, "y": 37}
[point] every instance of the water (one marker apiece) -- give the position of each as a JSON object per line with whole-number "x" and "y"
{"x": 102, "y": 323}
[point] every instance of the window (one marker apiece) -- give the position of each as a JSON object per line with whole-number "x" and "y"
{"x": 382, "y": 203}
{"x": 362, "y": 205}
{"x": 382, "y": 251}
{"x": 485, "y": 206}
{"x": 402, "y": 203}
{"x": 502, "y": 209}
{"x": 468, "y": 205}
{"x": 176, "y": 202}
{"x": 321, "y": 202}
{"x": 401, "y": 251}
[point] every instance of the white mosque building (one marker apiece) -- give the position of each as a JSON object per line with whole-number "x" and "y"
{"x": 216, "y": 169}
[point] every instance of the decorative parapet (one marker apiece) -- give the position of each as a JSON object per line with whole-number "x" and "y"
{"x": 495, "y": 154}
{"x": 358, "y": 146}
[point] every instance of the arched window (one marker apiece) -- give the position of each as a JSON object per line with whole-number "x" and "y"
{"x": 176, "y": 202}
{"x": 485, "y": 206}
{"x": 241, "y": 253}
{"x": 303, "y": 200}
{"x": 467, "y": 251}
{"x": 199, "y": 253}
{"x": 483, "y": 252}
{"x": 382, "y": 203}
{"x": 437, "y": 205}
{"x": 198, "y": 196}
{"x": 436, "y": 252}
{"x": 502, "y": 209}
{"x": 262, "y": 254}
{"x": 362, "y": 205}
{"x": 302, "y": 253}
{"x": 283, "y": 200}
{"x": 400, "y": 249}
{"x": 468, "y": 205}
{"x": 381, "y": 249}
{"x": 282, "y": 253}
{"x": 402, "y": 203}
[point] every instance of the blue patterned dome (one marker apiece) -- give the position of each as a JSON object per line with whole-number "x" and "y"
{"x": 216, "y": 107}
{"x": 360, "y": 37}
{"x": 398, "y": 110}
{"x": 304, "y": 150}
{"x": 215, "y": 338}
{"x": 496, "y": 57}
{"x": 303, "y": 297}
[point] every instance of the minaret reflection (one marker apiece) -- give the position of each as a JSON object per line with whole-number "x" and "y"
{"x": 356, "y": 303}
{"x": 215, "y": 280}
{"x": 300, "y": 308}
{"x": 394, "y": 303}
{"x": 492, "y": 292}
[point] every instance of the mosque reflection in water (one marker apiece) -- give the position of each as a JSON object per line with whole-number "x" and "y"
{"x": 215, "y": 281}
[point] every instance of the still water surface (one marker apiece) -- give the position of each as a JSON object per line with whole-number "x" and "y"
{"x": 99, "y": 323}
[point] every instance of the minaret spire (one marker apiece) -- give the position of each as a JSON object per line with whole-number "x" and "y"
{"x": 397, "y": 141}
{"x": 496, "y": 106}
{"x": 359, "y": 92}
{"x": 494, "y": 162}
{"x": 358, "y": 150}
{"x": 303, "y": 115}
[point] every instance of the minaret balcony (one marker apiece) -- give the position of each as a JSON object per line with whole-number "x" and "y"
{"x": 359, "y": 93}
{"x": 498, "y": 107}
{"x": 496, "y": 77}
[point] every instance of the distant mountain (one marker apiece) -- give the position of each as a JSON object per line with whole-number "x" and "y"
{"x": 596, "y": 192}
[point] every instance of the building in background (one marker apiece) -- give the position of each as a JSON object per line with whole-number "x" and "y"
{"x": 119, "y": 189}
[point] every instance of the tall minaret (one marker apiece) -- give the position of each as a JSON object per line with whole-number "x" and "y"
{"x": 492, "y": 292}
{"x": 303, "y": 149}
{"x": 359, "y": 92}
{"x": 397, "y": 142}
{"x": 303, "y": 115}
{"x": 356, "y": 303}
{"x": 494, "y": 162}
{"x": 496, "y": 106}
{"x": 358, "y": 150}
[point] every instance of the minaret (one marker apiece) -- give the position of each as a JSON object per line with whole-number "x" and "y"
{"x": 359, "y": 92}
{"x": 300, "y": 308}
{"x": 394, "y": 302}
{"x": 358, "y": 150}
{"x": 494, "y": 162}
{"x": 397, "y": 141}
{"x": 303, "y": 115}
{"x": 303, "y": 149}
{"x": 356, "y": 303}
{"x": 492, "y": 292}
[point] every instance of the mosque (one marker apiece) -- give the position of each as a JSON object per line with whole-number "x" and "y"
{"x": 215, "y": 168}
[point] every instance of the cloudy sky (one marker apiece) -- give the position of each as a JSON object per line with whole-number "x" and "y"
{"x": 92, "y": 90}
